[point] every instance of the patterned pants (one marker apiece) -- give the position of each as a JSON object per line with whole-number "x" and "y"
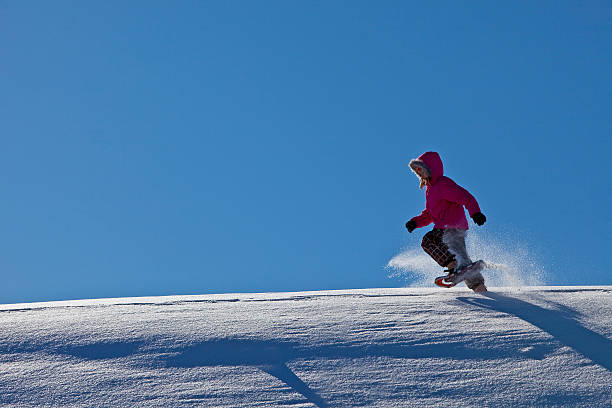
{"x": 448, "y": 245}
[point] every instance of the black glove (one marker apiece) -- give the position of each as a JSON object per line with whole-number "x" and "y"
{"x": 411, "y": 225}
{"x": 479, "y": 218}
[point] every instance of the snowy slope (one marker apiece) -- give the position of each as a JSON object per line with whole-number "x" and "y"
{"x": 540, "y": 346}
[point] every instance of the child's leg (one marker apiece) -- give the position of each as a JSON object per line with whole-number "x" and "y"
{"x": 455, "y": 240}
{"x": 434, "y": 245}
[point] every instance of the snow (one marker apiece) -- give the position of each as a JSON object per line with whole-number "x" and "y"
{"x": 530, "y": 346}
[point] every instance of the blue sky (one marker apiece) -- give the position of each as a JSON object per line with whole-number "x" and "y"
{"x": 153, "y": 148}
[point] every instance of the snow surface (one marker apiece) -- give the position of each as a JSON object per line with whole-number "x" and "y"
{"x": 537, "y": 346}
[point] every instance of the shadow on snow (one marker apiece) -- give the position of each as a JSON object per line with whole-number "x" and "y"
{"x": 558, "y": 323}
{"x": 271, "y": 356}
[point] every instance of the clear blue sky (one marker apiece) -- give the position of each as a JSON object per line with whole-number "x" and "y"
{"x": 153, "y": 148}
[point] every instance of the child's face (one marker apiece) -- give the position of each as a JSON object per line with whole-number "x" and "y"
{"x": 420, "y": 172}
{"x": 422, "y": 176}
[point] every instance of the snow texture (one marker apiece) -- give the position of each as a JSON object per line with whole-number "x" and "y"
{"x": 538, "y": 346}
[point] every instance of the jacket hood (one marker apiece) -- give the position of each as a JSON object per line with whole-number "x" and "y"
{"x": 431, "y": 163}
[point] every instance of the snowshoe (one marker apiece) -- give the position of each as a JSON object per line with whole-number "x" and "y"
{"x": 460, "y": 275}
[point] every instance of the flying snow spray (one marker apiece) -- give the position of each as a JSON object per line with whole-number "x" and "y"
{"x": 509, "y": 261}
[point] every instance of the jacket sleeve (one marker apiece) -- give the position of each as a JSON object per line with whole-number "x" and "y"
{"x": 423, "y": 220}
{"x": 460, "y": 195}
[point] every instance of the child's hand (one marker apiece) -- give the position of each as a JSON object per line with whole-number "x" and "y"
{"x": 479, "y": 218}
{"x": 411, "y": 225}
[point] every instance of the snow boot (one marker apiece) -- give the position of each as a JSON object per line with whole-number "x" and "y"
{"x": 480, "y": 288}
{"x": 450, "y": 273}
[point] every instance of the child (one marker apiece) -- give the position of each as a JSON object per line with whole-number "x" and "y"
{"x": 444, "y": 202}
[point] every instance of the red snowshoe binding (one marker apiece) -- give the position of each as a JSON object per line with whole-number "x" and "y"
{"x": 446, "y": 281}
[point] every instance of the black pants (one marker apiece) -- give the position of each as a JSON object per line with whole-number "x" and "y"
{"x": 434, "y": 245}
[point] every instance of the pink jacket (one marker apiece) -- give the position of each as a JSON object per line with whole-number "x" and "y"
{"x": 444, "y": 199}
